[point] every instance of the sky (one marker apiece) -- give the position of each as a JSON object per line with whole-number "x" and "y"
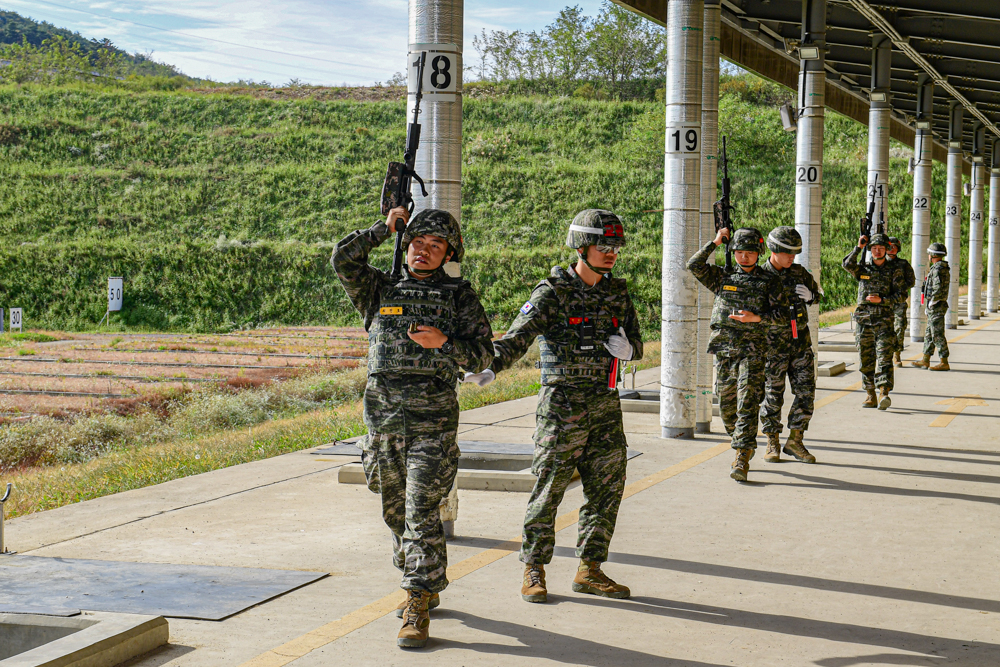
{"x": 319, "y": 42}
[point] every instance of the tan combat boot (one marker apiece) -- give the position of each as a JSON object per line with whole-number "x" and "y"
{"x": 923, "y": 363}
{"x": 434, "y": 601}
{"x": 897, "y": 359}
{"x": 416, "y": 621}
{"x": 883, "y": 399}
{"x": 943, "y": 366}
{"x": 794, "y": 447}
{"x": 872, "y": 400}
{"x": 590, "y": 579}
{"x": 741, "y": 466}
{"x": 773, "y": 454}
{"x": 533, "y": 587}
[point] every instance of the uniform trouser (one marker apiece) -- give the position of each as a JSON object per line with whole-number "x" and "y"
{"x": 934, "y": 334}
{"x": 899, "y": 323}
{"x": 876, "y": 341}
{"x": 739, "y": 384}
{"x": 414, "y": 474}
{"x": 797, "y": 363}
{"x": 576, "y": 428}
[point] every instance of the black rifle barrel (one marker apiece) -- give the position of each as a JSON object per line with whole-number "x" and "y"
{"x": 409, "y": 159}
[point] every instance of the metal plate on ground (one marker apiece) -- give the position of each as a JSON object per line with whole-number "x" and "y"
{"x": 201, "y": 592}
{"x": 467, "y": 447}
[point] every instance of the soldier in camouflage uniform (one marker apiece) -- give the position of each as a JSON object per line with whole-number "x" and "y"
{"x": 880, "y": 288}
{"x": 935, "y": 296}
{"x": 585, "y": 323}
{"x": 422, "y": 328}
{"x": 908, "y": 280}
{"x": 749, "y": 302}
{"x": 790, "y": 351}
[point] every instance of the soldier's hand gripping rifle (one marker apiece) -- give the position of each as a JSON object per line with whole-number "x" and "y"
{"x": 866, "y": 220}
{"x": 722, "y": 208}
{"x": 400, "y": 175}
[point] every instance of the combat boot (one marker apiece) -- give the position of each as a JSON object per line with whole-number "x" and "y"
{"x": 923, "y": 363}
{"x": 872, "y": 400}
{"x": 741, "y": 466}
{"x": 416, "y": 621}
{"x": 773, "y": 454}
{"x": 897, "y": 359}
{"x": 590, "y": 579}
{"x": 434, "y": 601}
{"x": 533, "y": 587}
{"x": 883, "y": 399}
{"x": 943, "y": 366}
{"x": 794, "y": 447}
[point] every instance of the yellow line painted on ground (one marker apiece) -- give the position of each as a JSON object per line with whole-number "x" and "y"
{"x": 972, "y": 331}
{"x": 331, "y": 632}
{"x": 840, "y": 394}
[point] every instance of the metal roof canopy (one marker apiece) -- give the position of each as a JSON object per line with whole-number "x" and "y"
{"x": 955, "y": 42}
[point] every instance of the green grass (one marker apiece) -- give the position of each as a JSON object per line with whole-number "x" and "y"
{"x": 221, "y": 210}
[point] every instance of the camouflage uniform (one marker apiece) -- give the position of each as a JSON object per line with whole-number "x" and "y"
{"x": 791, "y": 357}
{"x": 936, "y": 297}
{"x": 873, "y": 334}
{"x": 410, "y": 455}
{"x": 908, "y": 279}
{"x": 578, "y": 421}
{"x": 740, "y": 348}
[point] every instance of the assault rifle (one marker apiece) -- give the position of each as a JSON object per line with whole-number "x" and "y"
{"x": 400, "y": 175}
{"x": 866, "y": 220}
{"x": 722, "y": 208}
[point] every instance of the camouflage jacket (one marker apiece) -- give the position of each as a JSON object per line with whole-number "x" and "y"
{"x": 572, "y": 320}
{"x": 757, "y": 291}
{"x": 909, "y": 278}
{"x": 794, "y": 275}
{"x": 885, "y": 281}
{"x": 936, "y": 285}
{"x": 470, "y": 331}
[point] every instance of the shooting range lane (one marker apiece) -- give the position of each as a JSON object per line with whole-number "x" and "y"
{"x": 178, "y": 591}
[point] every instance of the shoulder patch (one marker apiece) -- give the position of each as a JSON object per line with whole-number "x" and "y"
{"x": 527, "y": 307}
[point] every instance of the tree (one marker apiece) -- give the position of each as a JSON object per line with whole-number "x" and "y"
{"x": 624, "y": 46}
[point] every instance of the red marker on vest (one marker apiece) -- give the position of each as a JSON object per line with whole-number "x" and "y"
{"x": 613, "y": 371}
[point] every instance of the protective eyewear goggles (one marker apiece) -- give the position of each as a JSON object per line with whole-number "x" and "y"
{"x": 609, "y": 249}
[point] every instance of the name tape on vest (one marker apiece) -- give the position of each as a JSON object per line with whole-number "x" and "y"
{"x": 390, "y": 310}
{"x": 731, "y": 288}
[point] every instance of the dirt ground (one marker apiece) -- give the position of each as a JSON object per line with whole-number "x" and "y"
{"x": 82, "y": 371}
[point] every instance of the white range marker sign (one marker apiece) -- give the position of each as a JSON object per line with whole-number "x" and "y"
{"x": 114, "y": 294}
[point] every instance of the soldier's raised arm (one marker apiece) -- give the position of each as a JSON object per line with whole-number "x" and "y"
{"x": 361, "y": 280}
{"x": 850, "y": 262}
{"x": 708, "y": 274}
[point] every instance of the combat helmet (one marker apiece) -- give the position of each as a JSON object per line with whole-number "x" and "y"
{"x": 784, "y": 239}
{"x": 595, "y": 226}
{"x": 747, "y": 238}
{"x": 894, "y": 240}
{"x": 937, "y": 249}
{"x": 440, "y": 223}
{"x": 879, "y": 239}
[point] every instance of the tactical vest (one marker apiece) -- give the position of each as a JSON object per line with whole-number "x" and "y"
{"x": 741, "y": 291}
{"x": 874, "y": 281}
{"x": 412, "y": 302}
{"x": 572, "y": 349}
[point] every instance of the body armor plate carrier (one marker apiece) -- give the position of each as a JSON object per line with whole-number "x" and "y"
{"x": 741, "y": 291}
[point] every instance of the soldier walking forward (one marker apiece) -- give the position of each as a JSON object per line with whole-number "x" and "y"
{"x": 935, "y": 296}
{"x": 422, "y": 328}
{"x": 748, "y": 303}
{"x": 584, "y": 320}
{"x": 908, "y": 279}
{"x": 879, "y": 290}
{"x": 790, "y": 351}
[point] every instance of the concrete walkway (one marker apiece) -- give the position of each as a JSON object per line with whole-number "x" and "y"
{"x": 883, "y": 553}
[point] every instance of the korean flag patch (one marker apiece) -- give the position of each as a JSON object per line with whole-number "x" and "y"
{"x": 527, "y": 307}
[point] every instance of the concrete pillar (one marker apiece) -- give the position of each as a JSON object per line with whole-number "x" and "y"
{"x": 993, "y": 263}
{"x": 976, "y": 221}
{"x": 436, "y": 27}
{"x": 681, "y": 218}
{"x": 878, "y": 125}
{"x": 709, "y": 181}
{"x": 923, "y": 150}
{"x": 809, "y": 144}
{"x": 953, "y": 210}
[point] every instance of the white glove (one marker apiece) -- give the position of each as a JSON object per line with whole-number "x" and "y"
{"x": 482, "y": 379}
{"x": 619, "y": 346}
{"x": 804, "y": 292}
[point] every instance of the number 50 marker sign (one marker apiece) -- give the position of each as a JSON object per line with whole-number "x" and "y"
{"x": 114, "y": 294}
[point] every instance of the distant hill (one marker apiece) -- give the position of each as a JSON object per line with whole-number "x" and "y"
{"x": 15, "y": 28}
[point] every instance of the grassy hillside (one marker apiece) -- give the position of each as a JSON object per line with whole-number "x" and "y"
{"x": 220, "y": 209}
